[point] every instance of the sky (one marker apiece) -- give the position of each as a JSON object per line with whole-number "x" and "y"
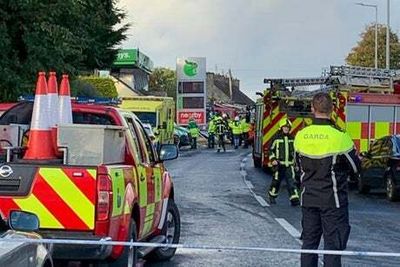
{"x": 256, "y": 39}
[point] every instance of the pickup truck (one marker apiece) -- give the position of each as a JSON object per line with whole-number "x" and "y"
{"x": 111, "y": 184}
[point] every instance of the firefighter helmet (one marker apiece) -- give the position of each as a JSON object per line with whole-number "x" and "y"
{"x": 285, "y": 122}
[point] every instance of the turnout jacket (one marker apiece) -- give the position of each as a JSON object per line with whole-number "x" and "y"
{"x": 326, "y": 156}
{"x": 282, "y": 149}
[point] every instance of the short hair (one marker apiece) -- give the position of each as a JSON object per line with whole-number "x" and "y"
{"x": 322, "y": 103}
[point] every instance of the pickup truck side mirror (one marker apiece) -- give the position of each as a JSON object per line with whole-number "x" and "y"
{"x": 168, "y": 152}
{"x": 23, "y": 221}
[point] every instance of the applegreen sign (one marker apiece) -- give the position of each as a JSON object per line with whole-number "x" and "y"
{"x": 190, "y": 68}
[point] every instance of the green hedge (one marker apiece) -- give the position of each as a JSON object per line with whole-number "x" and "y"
{"x": 104, "y": 86}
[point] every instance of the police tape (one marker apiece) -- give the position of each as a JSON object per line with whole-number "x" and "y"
{"x": 202, "y": 247}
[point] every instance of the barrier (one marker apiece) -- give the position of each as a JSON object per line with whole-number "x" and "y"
{"x": 206, "y": 247}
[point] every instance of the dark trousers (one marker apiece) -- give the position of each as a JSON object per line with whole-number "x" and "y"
{"x": 282, "y": 172}
{"x": 194, "y": 143}
{"x": 333, "y": 223}
{"x": 221, "y": 143}
{"x": 211, "y": 140}
{"x": 245, "y": 140}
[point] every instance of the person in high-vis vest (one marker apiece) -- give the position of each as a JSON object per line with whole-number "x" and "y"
{"x": 211, "y": 131}
{"x": 236, "y": 131}
{"x": 194, "y": 132}
{"x": 245, "y": 132}
{"x": 326, "y": 157}
{"x": 281, "y": 156}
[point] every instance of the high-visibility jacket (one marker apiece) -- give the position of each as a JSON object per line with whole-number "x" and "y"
{"x": 211, "y": 126}
{"x": 236, "y": 127}
{"x": 193, "y": 129}
{"x": 325, "y": 156}
{"x": 245, "y": 126}
{"x": 282, "y": 149}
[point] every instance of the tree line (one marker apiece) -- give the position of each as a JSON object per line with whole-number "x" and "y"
{"x": 66, "y": 36}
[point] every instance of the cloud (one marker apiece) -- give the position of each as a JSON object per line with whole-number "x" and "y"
{"x": 255, "y": 38}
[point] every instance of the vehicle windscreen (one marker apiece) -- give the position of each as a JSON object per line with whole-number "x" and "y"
{"x": 147, "y": 117}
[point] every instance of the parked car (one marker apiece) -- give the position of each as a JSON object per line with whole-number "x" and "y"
{"x": 15, "y": 254}
{"x": 380, "y": 167}
{"x": 181, "y": 136}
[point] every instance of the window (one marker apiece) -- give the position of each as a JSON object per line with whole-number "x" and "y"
{"x": 92, "y": 118}
{"x": 147, "y": 142}
{"x": 147, "y": 117}
{"x": 138, "y": 151}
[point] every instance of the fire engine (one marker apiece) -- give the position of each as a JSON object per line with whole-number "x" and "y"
{"x": 366, "y": 105}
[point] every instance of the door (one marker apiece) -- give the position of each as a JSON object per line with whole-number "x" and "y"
{"x": 258, "y": 131}
{"x": 154, "y": 180}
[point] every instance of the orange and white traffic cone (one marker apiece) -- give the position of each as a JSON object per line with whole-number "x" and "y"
{"x": 65, "y": 111}
{"x": 53, "y": 105}
{"x": 40, "y": 145}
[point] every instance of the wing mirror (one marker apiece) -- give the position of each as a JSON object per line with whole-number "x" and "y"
{"x": 168, "y": 152}
{"x": 23, "y": 221}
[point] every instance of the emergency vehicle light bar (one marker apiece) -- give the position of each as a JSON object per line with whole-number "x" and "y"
{"x": 96, "y": 100}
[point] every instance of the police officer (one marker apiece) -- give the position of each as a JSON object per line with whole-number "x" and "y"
{"x": 281, "y": 155}
{"x": 326, "y": 157}
{"x": 194, "y": 132}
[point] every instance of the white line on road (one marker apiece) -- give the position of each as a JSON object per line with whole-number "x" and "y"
{"x": 261, "y": 201}
{"x": 289, "y": 228}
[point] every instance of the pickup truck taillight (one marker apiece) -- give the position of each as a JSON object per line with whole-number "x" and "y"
{"x": 104, "y": 197}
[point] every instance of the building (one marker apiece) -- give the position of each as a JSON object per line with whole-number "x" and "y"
{"x": 131, "y": 71}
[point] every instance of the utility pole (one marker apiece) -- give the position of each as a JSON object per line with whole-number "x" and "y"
{"x": 230, "y": 84}
{"x": 387, "y": 36}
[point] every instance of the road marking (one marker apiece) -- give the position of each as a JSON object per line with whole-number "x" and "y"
{"x": 249, "y": 184}
{"x": 244, "y": 160}
{"x": 242, "y": 165}
{"x": 261, "y": 201}
{"x": 289, "y": 228}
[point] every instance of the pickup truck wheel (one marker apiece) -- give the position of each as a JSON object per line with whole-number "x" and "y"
{"x": 257, "y": 162}
{"x": 392, "y": 193}
{"x": 361, "y": 186}
{"x": 129, "y": 255}
{"x": 172, "y": 232}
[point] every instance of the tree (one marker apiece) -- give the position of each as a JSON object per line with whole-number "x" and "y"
{"x": 364, "y": 53}
{"x": 66, "y": 36}
{"x": 163, "y": 80}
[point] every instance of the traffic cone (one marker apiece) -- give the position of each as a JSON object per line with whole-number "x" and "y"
{"x": 53, "y": 105}
{"x": 40, "y": 146}
{"x": 65, "y": 112}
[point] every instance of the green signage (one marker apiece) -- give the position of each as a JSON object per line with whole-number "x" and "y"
{"x": 127, "y": 57}
{"x": 190, "y": 68}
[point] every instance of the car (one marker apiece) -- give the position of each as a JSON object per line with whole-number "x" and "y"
{"x": 181, "y": 136}
{"x": 23, "y": 224}
{"x": 380, "y": 167}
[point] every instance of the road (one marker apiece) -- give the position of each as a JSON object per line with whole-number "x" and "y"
{"x": 219, "y": 207}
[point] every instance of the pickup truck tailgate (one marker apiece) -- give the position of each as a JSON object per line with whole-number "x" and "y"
{"x": 62, "y": 197}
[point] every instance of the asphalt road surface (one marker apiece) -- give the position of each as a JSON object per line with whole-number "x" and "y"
{"x": 221, "y": 198}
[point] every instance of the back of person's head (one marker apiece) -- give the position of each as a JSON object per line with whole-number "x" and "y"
{"x": 322, "y": 103}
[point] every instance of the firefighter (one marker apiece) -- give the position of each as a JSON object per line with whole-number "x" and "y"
{"x": 220, "y": 130}
{"x": 236, "y": 131}
{"x": 194, "y": 132}
{"x": 326, "y": 157}
{"x": 245, "y": 131}
{"x": 211, "y": 131}
{"x": 281, "y": 155}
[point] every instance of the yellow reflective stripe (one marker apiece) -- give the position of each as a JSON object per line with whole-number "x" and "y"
{"x": 296, "y": 123}
{"x": 270, "y": 133}
{"x": 93, "y": 173}
{"x": 286, "y": 149}
{"x": 70, "y": 193}
{"x": 32, "y": 204}
{"x": 354, "y": 129}
{"x": 363, "y": 145}
{"x": 150, "y": 209}
{"x": 147, "y": 226}
{"x": 381, "y": 129}
{"x": 157, "y": 184}
{"x": 118, "y": 187}
{"x": 142, "y": 186}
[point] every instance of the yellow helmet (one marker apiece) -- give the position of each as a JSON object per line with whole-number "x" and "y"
{"x": 285, "y": 122}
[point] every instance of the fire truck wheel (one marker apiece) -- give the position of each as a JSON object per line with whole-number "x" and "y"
{"x": 172, "y": 232}
{"x": 392, "y": 192}
{"x": 129, "y": 256}
{"x": 361, "y": 186}
{"x": 257, "y": 162}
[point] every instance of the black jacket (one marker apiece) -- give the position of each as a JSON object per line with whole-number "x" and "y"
{"x": 326, "y": 157}
{"x": 282, "y": 149}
